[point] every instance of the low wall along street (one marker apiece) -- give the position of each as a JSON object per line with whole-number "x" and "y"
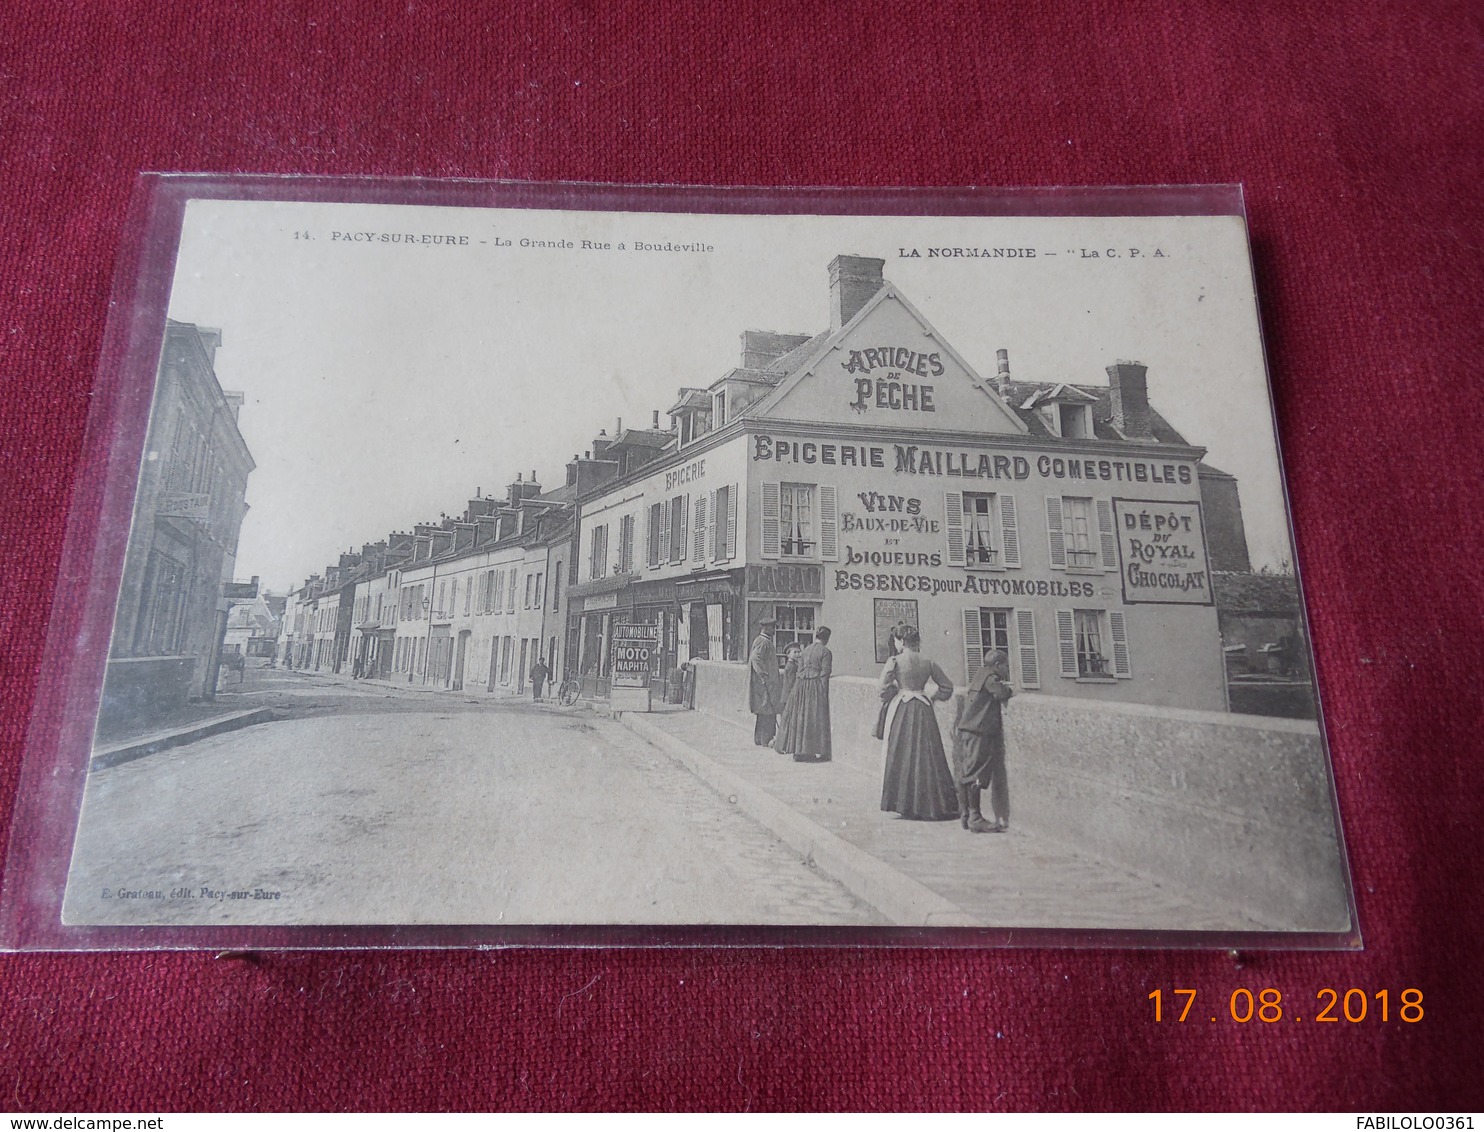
{"x": 1237, "y": 807}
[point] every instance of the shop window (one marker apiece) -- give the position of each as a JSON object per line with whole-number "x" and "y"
{"x": 1080, "y": 532}
{"x": 1093, "y": 644}
{"x": 795, "y": 627}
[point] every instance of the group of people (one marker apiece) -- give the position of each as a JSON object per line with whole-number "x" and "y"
{"x": 792, "y": 711}
{"x": 792, "y": 708}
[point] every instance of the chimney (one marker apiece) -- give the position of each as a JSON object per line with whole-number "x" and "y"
{"x": 1130, "y": 399}
{"x": 234, "y": 402}
{"x": 654, "y": 421}
{"x": 761, "y": 348}
{"x": 211, "y": 338}
{"x": 853, "y": 280}
{"x": 1002, "y": 371}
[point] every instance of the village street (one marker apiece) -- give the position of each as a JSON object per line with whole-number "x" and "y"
{"x": 365, "y": 804}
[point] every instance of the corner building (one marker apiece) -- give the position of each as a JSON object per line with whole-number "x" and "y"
{"x": 870, "y": 475}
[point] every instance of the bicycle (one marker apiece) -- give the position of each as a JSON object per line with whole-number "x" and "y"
{"x": 570, "y": 690}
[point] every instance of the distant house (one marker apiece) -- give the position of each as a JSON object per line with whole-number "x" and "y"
{"x": 1262, "y": 636}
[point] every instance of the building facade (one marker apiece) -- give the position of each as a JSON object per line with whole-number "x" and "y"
{"x": 869, "y": 475}
{"x": 188, "y": 512}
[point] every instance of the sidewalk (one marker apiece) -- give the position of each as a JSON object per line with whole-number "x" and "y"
{"x": 923, "y": 873}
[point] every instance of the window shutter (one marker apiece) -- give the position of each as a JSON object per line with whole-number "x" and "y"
{"x": 718, "y": 526}
{"x": 829, "y": 524}
{"x": 973, "y": 644}
{"x": 1054, "y": 534}
{"x": 732, "y": 521}
{"x": 1025, "y": 634}
{"x": 1107, "y": 535}
{"x": 953, "y": 524}
{"x": 514, "y": 582}
{"x": 665, "y": 533}
{"x": 1066, "y": 638}
{"x": 1009, "y": 532}
{"x": 1119, "y": 632}
{"x": 683, "y": 502}
{"x": 772, "y": 534}
{"x": 700, "y": 528}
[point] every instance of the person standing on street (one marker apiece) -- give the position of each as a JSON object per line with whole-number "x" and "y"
{"x": 539, "y": 673}
{"x": 804, "y": 730}
{"x": 979, "y": 747}
{"x": 763, "y": 690}
{"x": 918, "y": 784}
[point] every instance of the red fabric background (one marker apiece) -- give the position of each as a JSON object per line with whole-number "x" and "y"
{"x": 1356, "y": 127}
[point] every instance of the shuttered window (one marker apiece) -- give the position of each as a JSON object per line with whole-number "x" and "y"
{"x": 1054, "y": 536}
{"x": 626, "y": 544}
{"x": 829, "y": 524}
{"x": 700, "y": 525}
{"x": 1093, "y": 644}
{"x": 652, "y": 538}
{"x": 679, "y": 525}
{"x": 1107, "y": 537}
{"x": 1025, "y": 637}
{"x": 1012, "y": 631}
{"x": 799, "y": 520}
{"x": 772, "y": 532}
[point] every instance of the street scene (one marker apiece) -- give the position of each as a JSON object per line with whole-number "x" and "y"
{"x": 366, "y": 804}
{"x": 867, "y": 621}
{"x": 372, "y": 805}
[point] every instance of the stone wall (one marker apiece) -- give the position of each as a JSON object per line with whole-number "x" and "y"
{"x": 1234, "y": 806}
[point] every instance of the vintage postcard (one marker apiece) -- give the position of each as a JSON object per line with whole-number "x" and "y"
{"x": 540, "y": 566}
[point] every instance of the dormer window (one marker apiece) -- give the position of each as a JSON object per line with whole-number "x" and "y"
{"x": 719, "y": 408}
{"x": 1074, "y": 421}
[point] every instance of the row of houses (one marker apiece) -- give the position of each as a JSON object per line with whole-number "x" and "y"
{"x": 863, "y": 476}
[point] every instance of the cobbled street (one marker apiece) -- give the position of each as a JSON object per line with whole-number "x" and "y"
{"x": 366, "y": 804}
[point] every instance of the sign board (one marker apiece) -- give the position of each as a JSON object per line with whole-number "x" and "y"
{"x": 632, "y": 649}
{"x": 1162, "y": 552}
{"x": 891, "y": 612}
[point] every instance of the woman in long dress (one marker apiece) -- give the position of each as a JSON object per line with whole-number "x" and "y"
{"x": 918, "y": 784}
{"x": 804, "y": 730}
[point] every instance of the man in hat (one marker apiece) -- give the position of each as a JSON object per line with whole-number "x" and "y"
{"x": 764, "y": 691}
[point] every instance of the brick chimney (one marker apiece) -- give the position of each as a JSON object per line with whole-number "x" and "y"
{"x": 761, "y": 348}
{"x": 853, "y": 280}
{"x": 1130, "y": 399}
{"x": 1002, "y": 370}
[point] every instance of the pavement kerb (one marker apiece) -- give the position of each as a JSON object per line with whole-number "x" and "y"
{"x": 145, "y": 745}
{"x": 899, "y": 898}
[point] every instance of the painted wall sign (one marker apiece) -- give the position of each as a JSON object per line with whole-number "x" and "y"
{"x": 911, "y": 459}
{"x": 929, "y": 586}
{"x": 600, "y": 601}
{"x": 1162, "y": 548}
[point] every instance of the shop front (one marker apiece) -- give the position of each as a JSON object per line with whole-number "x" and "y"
{"x": 693, "y": 617}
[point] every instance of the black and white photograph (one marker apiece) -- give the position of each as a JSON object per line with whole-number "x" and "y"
{"x": 502, "y": 567}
